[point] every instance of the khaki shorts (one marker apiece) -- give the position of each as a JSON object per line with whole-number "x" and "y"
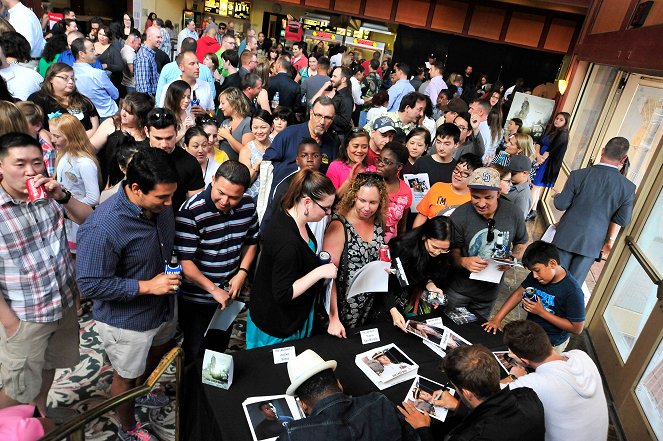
{"x": 127, "y": 350}
{"x": 560, "y": 347}
{"x": 33, "y": 348}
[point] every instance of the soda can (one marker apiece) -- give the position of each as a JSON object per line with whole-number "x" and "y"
{"x": 36, "y": 194}
{"x": 383, "y": 253}
{"x": 530, "y": 294}
{"x": 324, "y": 257}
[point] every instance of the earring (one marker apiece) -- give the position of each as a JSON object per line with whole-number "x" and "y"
{"x": 306, "y": 212}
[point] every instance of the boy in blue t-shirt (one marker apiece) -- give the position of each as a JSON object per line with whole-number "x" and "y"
{"x": 560, "y": 304}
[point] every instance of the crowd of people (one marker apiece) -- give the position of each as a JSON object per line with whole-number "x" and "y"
{"x": 242, "y": 160}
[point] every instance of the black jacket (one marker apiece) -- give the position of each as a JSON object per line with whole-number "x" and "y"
{"x": 288, "y": 90}
{"x": 344, "y": 105}
{"x": 509, "y": 415}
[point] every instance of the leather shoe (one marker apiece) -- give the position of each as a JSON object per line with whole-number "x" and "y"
{"x": 531, "y": 215}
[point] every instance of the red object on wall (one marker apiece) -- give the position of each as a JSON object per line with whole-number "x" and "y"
{"x": 294, "y": 31}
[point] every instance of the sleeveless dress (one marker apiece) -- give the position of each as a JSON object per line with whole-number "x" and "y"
{"x": 256, "y": 155}
{"x": 357, "y": 310}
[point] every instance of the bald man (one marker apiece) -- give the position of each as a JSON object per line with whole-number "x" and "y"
{"x": 145, "y": 65}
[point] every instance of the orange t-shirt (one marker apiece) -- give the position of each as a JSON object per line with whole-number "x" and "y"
{"x": 439, "y": 197}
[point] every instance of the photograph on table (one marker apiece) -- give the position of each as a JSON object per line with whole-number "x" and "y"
{"x": 504, "y": 360}
{"x": 427, "y": 332}
{"x": 386, "y": 366}
{"x": 461, "y": 315}
{"x": 454, "y": 340}
{"x": 266, "y": 415}
{"x": 424, "y": 392}
{"x": 217, "y": 369}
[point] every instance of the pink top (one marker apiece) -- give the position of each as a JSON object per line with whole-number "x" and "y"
{"x": 18, "y": 424}
{"x": 338, "y": 172}
{"x": 399, "y": 204}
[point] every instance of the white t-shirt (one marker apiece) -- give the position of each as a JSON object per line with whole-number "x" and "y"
{"x": 572, "y": 395}
{"x": 128, "y": 56}
{"x": 202, "y": 91}
{"x": 27, "y": 24}
{"x": 21, "y": 81}
{"x": 336, "y": 60}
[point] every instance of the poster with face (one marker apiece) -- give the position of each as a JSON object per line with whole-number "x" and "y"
{"x": 424, "y": 395}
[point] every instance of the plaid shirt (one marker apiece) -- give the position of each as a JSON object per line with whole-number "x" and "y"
{"x": 145, "y": 71}
{"x": 36, "y": 269}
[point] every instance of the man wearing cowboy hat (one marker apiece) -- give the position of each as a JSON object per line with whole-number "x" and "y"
{"x": 333, "y": 415}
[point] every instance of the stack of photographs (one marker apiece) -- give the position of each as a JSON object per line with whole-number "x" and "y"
{"x": 267, "y": 415}
{"x": 423, "y": 394}
{"x": 386, "y": 366}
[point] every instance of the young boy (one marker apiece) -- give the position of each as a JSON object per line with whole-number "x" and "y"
{"x": 559, "y": 306}
{"x": 520, "y": 193}
{"x": 440, "y": 165}
{"x": 443, "y": 195}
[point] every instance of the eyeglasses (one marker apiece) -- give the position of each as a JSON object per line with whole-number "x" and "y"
{"x": 461, "y": 173}
{"x": 327, "y": 210}
{"x": 318, "y": 117}
{"x": 66, "y": 78}
{"x": 491, "y": 230}
{"x": 386, "y": 162}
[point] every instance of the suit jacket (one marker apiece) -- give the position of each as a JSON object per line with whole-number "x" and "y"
{"x": 593, "y": 198}
{"x": 288, "y": 90}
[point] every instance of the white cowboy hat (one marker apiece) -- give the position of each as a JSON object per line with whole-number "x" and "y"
{"x": 304, "y": 366}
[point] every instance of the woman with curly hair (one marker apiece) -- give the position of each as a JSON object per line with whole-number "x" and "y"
{"x": 353, "y": 238}
{"x": 58, "y": 95}
{"x": 235, "y": 130}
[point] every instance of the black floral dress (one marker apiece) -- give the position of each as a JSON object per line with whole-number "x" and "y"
{"x": 355, "y": 311}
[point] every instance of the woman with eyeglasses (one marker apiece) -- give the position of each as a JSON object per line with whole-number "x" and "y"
{"x": 390, "y": 164}
{"x": 289, "y": 276}
{"x": 130, "y": 120}
{"x": 351, "y": 160}
{"x": 424, "y": 255}
{"x": 353, "y": 239}
{"x": 235, "y": 130}
{"x": 58, "y": 95}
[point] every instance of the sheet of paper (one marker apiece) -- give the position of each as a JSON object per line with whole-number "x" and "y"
{"x": 369, "y": 336}
{"x": 283, "y": 355}
{"x": 223, "y": 318}
{"x": 372, "y": 277}
{"x": 419, "y": 185}
{"x": 549, "y": 234}
{"x": 437, "y": 321}
{"x": 489, "y": 274}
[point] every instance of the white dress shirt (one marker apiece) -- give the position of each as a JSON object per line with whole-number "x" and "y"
{"x": 27, "y": 24}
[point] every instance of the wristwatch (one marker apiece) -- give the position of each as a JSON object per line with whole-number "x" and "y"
{"x": 65, "y": 198}
{"x": 513, "y": 377}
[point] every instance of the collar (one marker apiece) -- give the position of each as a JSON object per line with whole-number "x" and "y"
{"x": 329, "y": 401}
{"x": 520, "y": 187}
{"x": 6, "y": 198}
{"x": 607, "y": 165}
{"x": 147, "y": 48}
{"x": 124, "y": 202}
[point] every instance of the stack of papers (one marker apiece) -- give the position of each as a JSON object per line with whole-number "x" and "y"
{"x": 424, "y": 393}
{"x": 438, "y": 339}
{"x": 386, "y": 366}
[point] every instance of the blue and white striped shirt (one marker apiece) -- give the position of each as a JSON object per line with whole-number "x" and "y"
{"x": 213, "y": 240}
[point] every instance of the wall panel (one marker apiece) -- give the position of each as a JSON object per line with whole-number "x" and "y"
{"x": 324, "y": 4}
{"x": 449, "y": 16}
{"x": 525, "y": 29}
{"x": 347, "y": 6}
{"x": 560, "y": 35}
{"x": 413, "y": 12}
{"x": 610, "y": 16}
{"x": 379, "y": 9}
{"x": 487, "y": 22}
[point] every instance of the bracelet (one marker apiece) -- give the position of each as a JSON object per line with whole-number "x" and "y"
{"x": 243, "y": 269}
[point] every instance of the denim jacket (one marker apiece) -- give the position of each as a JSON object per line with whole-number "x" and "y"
{"x": 340, "y": 417}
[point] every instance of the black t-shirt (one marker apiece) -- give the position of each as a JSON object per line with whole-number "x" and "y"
{"x": 49, "y": 105}
{"x": 191, "y": 176}
{"x": 437, "y": 171}
{"x": 232, "y": 80}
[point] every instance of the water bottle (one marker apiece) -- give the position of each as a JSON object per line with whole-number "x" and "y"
{"x": 275, "y": 100}
{"x": 530, "y": 294}
{"x": 195, "y": 101}
{"x": 173, "y": 267}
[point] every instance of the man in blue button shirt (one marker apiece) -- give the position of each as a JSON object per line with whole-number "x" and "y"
{"x": 93, "y": 83}
{"x": 123, "y": 248}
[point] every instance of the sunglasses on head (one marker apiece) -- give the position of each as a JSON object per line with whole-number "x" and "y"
{"x": 161, "y": 114}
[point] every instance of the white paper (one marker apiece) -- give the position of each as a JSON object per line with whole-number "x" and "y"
{"x": 224, "y": 318}
{"x": 549, "y": 234}
{"x": 402, "y": 368}
{"x": 369, "y": 336}
{"x": 419, "y": 185}
{"x": 429, "y": 391}
{"x": 217, "y": 369}
{"x": 283, "y": 355}
{"x": 437, "y": 321}
{"x": 372, "y": 277}
{"x": 286, "y": 407}
{"x": 489, "y": 274}
{"x": 435, "y": 348}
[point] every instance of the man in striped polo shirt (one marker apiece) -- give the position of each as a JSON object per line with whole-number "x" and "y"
{"x": 216, "y": 240}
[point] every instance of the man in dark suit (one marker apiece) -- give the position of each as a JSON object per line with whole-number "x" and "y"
{"x": 598, "y": 201}
{"x": 282, "y": 83}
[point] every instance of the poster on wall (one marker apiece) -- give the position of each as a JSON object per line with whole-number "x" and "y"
{"x": 535, "y": 112}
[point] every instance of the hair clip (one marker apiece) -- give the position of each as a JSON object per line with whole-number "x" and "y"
{"x": 54, "y": 115}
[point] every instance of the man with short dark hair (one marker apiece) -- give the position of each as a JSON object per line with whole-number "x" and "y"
{"x": 161, "y": 131}
{"x": 410, "y": 112}
{"x": 38, "y": 327}
{"x": 342, "y": 99}
{"x": 172, "y": 71}
{"x": 479, "y": 110}
{"x": 332, "y": 415}
{"x": 312, "y": 85}
{"x": 251, "y": 86}
{"x": 400, "y": 88}
{"x": 95, "y": 22}
{"x": 93, "y": 83}
{"x": 597, "y": 202}
{"x": 299, "y": 59}
{"x": 568, "y": 384}
{"x": 70, "y": 26}
{"x": 122, "y": 249}
{"x": 189, "y": 31}
{"x": 437, "y": 83}
{"x": 216, "y": 240}
{"x": 227, "y": 42}
{"x": 494, "y": 414}
{"x": 286, "y": 87}
{"x": 146, "y": 73}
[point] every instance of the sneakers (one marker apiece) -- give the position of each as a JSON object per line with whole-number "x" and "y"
{"x": 138, "y": 433}
{"x": 153, "y": 400}
{"x": 530, "y": 216}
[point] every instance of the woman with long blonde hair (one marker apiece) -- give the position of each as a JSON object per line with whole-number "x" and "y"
{"x": 235, "y": 130}
{"x": 12, "y": 119}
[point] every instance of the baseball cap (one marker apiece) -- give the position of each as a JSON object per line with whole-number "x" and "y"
{"x": 432, "y": 56}
{"x": 485, "y": 178}
{"x": 455, "y": 105}
{"x": 519, "y": 163}
{"x": 383, "y": 124}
